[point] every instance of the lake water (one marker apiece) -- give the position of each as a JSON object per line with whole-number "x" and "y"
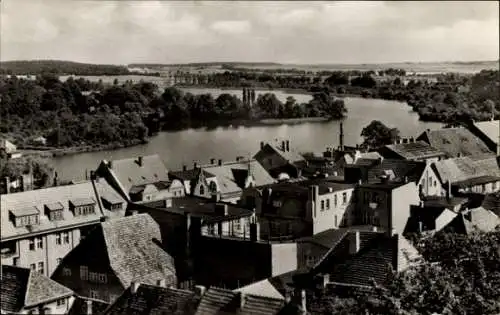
{"x": 186, "y": 147}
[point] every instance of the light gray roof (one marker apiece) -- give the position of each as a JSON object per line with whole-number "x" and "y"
{"x": 465, "y": 168}
{"x": 489, "y": 129}
{"x": 51, "y": 196}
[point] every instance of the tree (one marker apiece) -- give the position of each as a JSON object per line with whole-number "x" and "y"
{"x": 376, "y": 135}
{"x": 269, "y": 106}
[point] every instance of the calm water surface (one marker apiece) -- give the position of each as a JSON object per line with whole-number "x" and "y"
{"x": 188, "y": 146}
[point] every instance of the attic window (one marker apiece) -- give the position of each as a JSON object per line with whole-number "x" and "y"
{"x": 83, "y": 206}
{"x": 54, "y": 211}
{"x": 25, "y": 216}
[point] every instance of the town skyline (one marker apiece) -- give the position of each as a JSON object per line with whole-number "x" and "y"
{"x": 342, "y": 33}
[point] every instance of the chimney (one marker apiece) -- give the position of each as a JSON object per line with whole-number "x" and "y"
{"x": 139, "y": 161}
{"x": 195, "y": 165}
{"x": 199, "y": 290}
{"x": 412, "y": 140}
{"x": 134, "y": 286}
{"x": 374, "y": 229}
{"x": 287, "y": 145}
{"x": 242, "y": 300}
{"x": 262, "y": 145}
{"x": 420, "y": 226}
{"x": 283, "y": 146}
{"x": 184, "y": 167}
{"x": 110, "y": 164}
{"x": 56, "y": 180}
{"x": 220, "y": 162}
{"x": 254, "y": 231}
{"x": 168, "y": 203}
{"x": 326, "y": 279}
{"x": 313, "y": 192}
{"x": 303, "y": 300}
{"x": 341, "y": 136}
{"x": 212, "y": 161}
{"x": 7, "y": 184}
{"x": 406, "y": 179}
{"x": 354, "y": 242}
{"x": 89, "y": 307}
{"x": 134, "y": 212}
{"x": 161, "y": 283}
{"x": 448, "y": 191}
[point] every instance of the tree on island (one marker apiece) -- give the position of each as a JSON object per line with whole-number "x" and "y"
{"x": 376, "y": 135}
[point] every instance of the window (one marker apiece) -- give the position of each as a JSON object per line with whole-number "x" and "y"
{"x": 39, "y": 242}
{"x": 61, "y": 302}
{"x": 67, "y": 272}
{"x": 103, "y": 278}
{"x": 93, "y": 276}
{"x": 16, "y": 261}
{"x": 33, "y": 267}
{"x": 327, "y": 204}
{"x": 32, "y": 244}
{"x": 202, "y": 190}
{"x": 94, "y": 294}
{"x": 58, "y": 260}
{"x": 335, "y": 200}
{"x": 40, "y": 268}
{"x": 55, "y": 215}
{"x": 211, "y": 229}
{"x": 65, "y": 236}
{"x": 58, "y": 238}
{"x": 435, "y": 183}
{"x": 344, "y": 198}
{"x": 84, "y": 270}
{"x": 322, "y": 205}
{"x": 236, "y": 225}
{"x": 335, "y": 224}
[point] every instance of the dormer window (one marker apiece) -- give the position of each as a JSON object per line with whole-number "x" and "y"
{"x": 83, "y": 206}
{"x": 25, "y": 216}
{"x": 54, "y": 211}
{"x": 112, "y": 204}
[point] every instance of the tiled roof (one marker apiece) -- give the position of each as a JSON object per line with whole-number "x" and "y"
{"x": 217, "y": 301}
{"x": 455, "y": 141}
{"x": 261, "y": 288}
{"x": 151, "y": 299}
{"x": 489, "y": 129}
{"x": 291, "y": 156}
{"x": 226, "y": 181}
{"x": 414, "y": 150}
{"x": 327, "y": 239}
{"x": 492, "y": 202}
{"x": 132, "y": 253}
{"x": 260, "y": 305}
{"x": 190, "y": 174}
{"x": 129, "y": 173}
{"x": 23, "y": 288}
{"x": 80, "y": 306}
{"x": 376, "y": 261}
{"x": 50, "y": 196}
{"x": 466, "y": 168}
{"x": 413, "y": 170}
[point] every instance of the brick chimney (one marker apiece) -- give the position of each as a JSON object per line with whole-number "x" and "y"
{"x": 303, "y": 301}
{"x": 89, "y": 307}
{"x": 242, "y": 300}
{"x": 139, "y": 161}
{"x": 56, "y": 180}
{"x": 212, "y": 161}
{"x": 287, "y": 145}
{"x": 199, "y": 290}
{"x": 184, "y": 167}
{"x": 195, "y": 165}
{"x": 110, "y": 164}
{"x": 262, "y": 145}
{"x": 220, "y": 162}
{"x": 7, "y": 184}
{"x": 283, "y": 146}
{"x": 161, "y": 283}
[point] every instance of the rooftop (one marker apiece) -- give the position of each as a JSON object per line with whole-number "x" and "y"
{"x": 414, "y": 150}
{"x": 455, "y": 142}
{"x": 80, "y": 306}
{"x": 149, "y": 299}
{"x": 461, "y": 170}
{"x": 129, "y": 172}
{"x": 489, "y": 128}
{"x": 23, "y": 203}
{"x": 190, "y": 174}
{"x": 22, "y": 288}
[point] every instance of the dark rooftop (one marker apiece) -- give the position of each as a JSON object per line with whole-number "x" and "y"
{"x": 414, "y": 150}
{"x": 190, "y": 174}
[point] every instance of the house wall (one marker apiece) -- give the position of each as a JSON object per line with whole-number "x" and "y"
{"x": 482, "y": 189}
{"x": 283, "y": 258}
{"x": 51, "y": 307}
{"x": 328, "y": 214}
{"x": 239, "y": 227}
{"x": 177, "y": 188}
{"x": 378, "y": 216}
{"x": 430, "y": 183}
{"x": 308, "y": 254}
{"x": 48, "y": 255}
{"x": 69, "y": 272}
{"x": 401, "y": 200}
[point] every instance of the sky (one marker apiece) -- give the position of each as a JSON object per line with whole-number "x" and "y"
{"x": 335, "y": 32}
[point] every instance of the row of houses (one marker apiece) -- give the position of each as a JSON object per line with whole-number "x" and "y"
{"x": 255, "y": 233}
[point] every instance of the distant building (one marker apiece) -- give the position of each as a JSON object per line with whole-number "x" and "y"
{"x": 40, "y": 140}
{"x": 9, "y": 149}
{"x": 39, "y": 227}
{"x": 474, "y": 220}
{"x": 226, "y": 181}
{"x": 113, "y": 256}
{"x": 26, "y": 291}
{"x": 140, "y": 179}
{"x": 192, "y": 176}
{"x": 278, "y": 159}
{"x": 455, "y": 142}
{"x": 476, "y": 174}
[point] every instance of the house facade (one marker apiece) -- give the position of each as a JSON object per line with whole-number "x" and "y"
{"x": 39, "y": 227}
{"x": 279, "y": 160}
{"x": 115, "y": 254}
